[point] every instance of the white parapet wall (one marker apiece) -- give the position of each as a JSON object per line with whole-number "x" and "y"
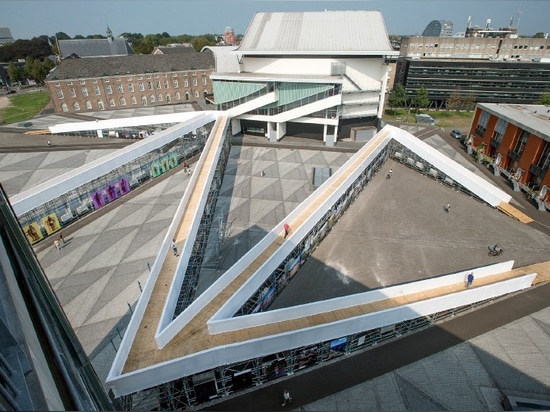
{"x": 220, "y": 325}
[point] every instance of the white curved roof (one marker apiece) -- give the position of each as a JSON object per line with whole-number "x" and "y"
{"x": 317, "y": 33}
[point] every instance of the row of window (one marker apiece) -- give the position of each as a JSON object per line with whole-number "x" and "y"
{"x": 131, "y": 89}
{"x": 122, "y": 101}
{"x": 95, "y": 81}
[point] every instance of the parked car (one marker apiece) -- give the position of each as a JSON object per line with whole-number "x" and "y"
{"x": 456, "y": 134}
{"x": 11, "y": 91}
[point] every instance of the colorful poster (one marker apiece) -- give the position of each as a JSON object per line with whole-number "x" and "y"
{"x": 173, "y": 160}
{"x": 155, "y": 169}
{"x": 164, "y": 164}
{"x": 97, "y": 199}
{"x": 111, "y": 192}
{"x": 33, "y": 232}
{"x": 51, "y": 223}
{"x": 123, "y": 186}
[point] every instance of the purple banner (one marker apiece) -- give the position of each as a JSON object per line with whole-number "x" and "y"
{"x": 97, "y": 199}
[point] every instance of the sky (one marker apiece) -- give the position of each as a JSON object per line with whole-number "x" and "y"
{"x": 31, "y": 18}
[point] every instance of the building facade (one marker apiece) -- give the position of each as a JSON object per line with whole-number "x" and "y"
{"x": 110, "y": 83}
{"x": 515, "y": 139}
{"x": 493, "y": 70}
{"x": 320, "y": 71}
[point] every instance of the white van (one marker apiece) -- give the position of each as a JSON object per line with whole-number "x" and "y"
{"x": 425, "y": 118}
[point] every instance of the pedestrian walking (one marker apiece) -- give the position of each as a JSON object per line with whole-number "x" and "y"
{"x": 174, "y": 247}
{"x": 470, "y": 279}
{"x": 286, "y": 397}
{"x": 447, "y": 207}
{"x": 61, "y": 238}
{"x": 56, "y": 244}
{"x": 287, "y": 229}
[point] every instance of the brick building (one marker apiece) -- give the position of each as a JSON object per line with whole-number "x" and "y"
{"x": 516, "y": 140}
{"x": 110, "y": 83}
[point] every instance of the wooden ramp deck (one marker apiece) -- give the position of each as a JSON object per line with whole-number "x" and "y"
{"x": 511, "y": 211}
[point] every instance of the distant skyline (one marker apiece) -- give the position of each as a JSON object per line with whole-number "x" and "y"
{"x": 31, "y": 18}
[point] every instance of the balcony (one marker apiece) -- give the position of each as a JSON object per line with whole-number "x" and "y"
{"x": 538, "y": 171}
{"x": 514, "y": 155}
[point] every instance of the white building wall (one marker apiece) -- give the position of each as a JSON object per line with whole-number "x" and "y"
{"x": 365, "y": 72}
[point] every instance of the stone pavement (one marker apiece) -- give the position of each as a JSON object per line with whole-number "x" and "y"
{"x": 399, "y": 226}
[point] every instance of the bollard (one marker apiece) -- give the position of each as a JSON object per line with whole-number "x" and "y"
{"x": 114, "y": 347}
{"x": 148, "y": 266}
{"x": 118, "y": 331}
{"x": 130, "y": 307}
{"x": 139, "y": 284}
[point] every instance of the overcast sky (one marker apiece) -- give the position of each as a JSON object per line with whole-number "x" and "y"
{"x": 31, "y": 18}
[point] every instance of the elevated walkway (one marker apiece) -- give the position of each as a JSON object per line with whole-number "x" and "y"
{"x": 206, "y": 334}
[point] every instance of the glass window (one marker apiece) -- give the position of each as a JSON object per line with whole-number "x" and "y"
{"x": 197, "y": 95}
{"x": 194, "y": 81}
{"x": 159, "y": 98}
{"x": 158, "y": 84}
{"x": 149, "y": 86}
{"x": 109, "y": 89}
{"x": 175, "y": 83}
{"x": 97, "y": 91}
{"x": 178, "y": 96}
{"x": 122, "y": 101}
{"x": 64, "y": 107}
{"x": 204, "y": 81}
{"x": 76, "y": 107}
{"x": 168, "y": 99}
{"x": 120, "y": 88}
{"x": 100, "y": 105}
{"x": 85, "y": 91}
{"x": 60, "y": 94}
{"x": 131, "y": 87}
{"x": 185, "y": 83}
{"x": 166, "y": 85}
{"x": 88, "y": 105}
{"x": 112, "y": 102}
{"x": 134, "y": 100}
{"x": 141, "y": 87}
{"x": 144, "y": 101}
{"x": 72, "y": 92}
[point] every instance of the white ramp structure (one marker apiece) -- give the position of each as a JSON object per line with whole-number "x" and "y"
{"x": 222, "y": 327}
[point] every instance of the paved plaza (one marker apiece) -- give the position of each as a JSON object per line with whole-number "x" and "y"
{"x": 395, "y": 232}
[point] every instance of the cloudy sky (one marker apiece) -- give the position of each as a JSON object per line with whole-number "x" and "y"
{"x": 31, "y": 18}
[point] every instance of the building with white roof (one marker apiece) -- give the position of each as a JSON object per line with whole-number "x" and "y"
{"x": 323, "y": 71}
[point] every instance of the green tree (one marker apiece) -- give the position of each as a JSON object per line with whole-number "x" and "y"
{"x": 62, "y": 36}
{"x": 397, "y": 96}
{"x": 14, "y": 73}
{"x": 544, "y": 99}
{"x": 539, "y": 35}
{"x": 420, "y": 99}
{"x": 199, "y": 42}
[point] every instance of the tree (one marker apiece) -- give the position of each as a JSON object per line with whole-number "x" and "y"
{"x": 539, "y": 35}
{"x": 544, "y": 99}
{"x": 397, "y": 96}
{"x": 15, "y": 73}
{"x": 421, "y": 99}
{"x": 199, "y": 42}
{"x": 62, "y": 36}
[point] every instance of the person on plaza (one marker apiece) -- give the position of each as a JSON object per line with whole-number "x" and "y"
{"x": 470, "y": 279}
{"x": 286, "y": 397}
{"x": 496, "y": 249}
{"x": 174, "y": 247}
{"x": 61, "y": 238}
{"x": 56, "y": 244}
{"x": 388, "y": 176}
{"x": 447, "y": 207}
